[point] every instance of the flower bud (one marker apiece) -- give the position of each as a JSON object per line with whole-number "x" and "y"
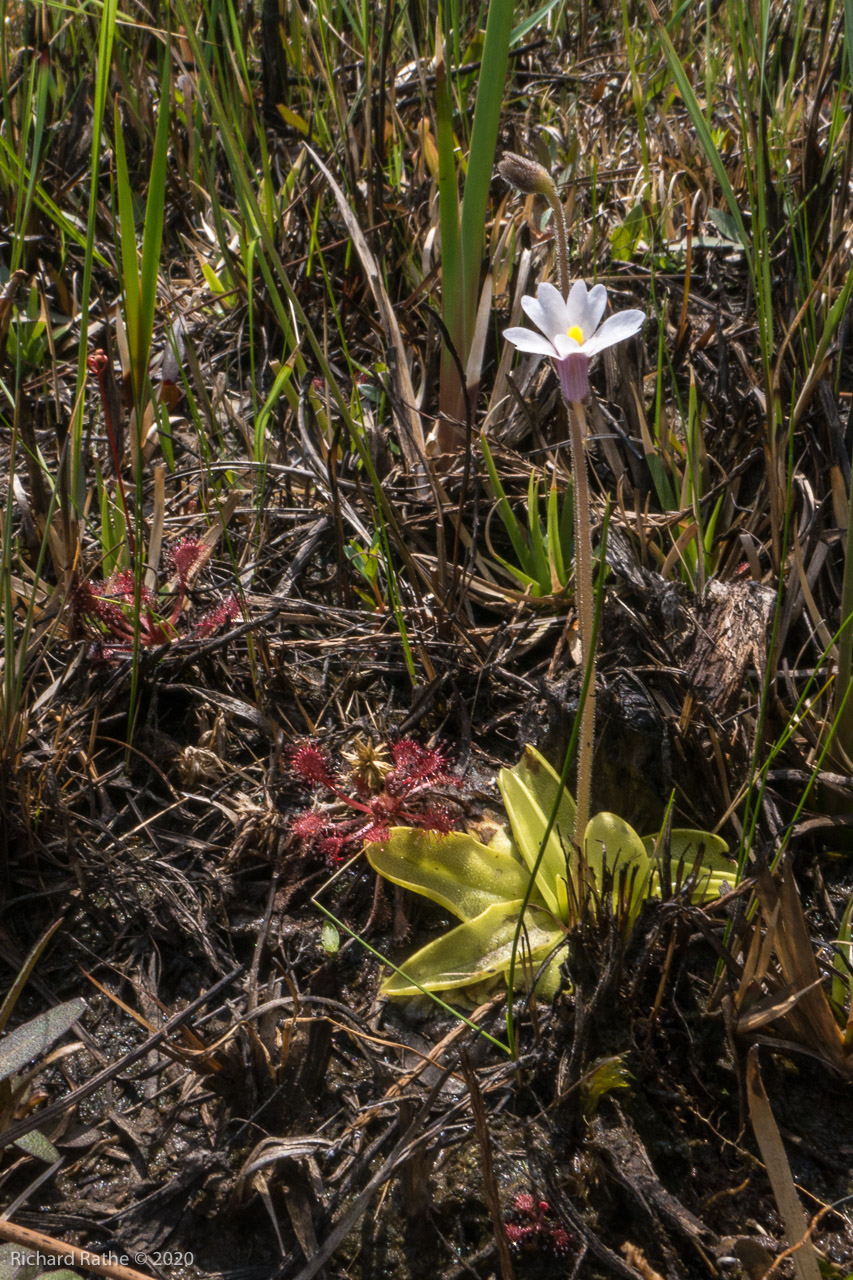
{"x": 528, "y": 175}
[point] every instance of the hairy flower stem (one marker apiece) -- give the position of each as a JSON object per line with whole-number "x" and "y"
{"x": 533, "y": 178}
{"x": 586, "y": 620}
{"x": 561, "y": 238}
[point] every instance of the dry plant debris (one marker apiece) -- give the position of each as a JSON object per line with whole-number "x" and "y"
{"x": 229, "y": 289}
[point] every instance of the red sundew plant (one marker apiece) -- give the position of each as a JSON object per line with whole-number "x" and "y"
{"x": 108, "y": 610}
{"x": 385, "y": 786}
{"x": 529, "y": 1230}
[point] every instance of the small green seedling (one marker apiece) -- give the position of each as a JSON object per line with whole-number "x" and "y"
{"x": 543, "y": 555}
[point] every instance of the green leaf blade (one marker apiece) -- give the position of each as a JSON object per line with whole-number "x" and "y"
{"x": 474, "y": 951}
{"x": 35, "y": 1037}
{"x": 530, "y": 792}
{"x": 455, "y": 870}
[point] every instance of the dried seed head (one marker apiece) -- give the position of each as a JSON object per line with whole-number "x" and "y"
{"x": 197, "y": 764}
{"x": 368, "y": 762}
{"x": 528, "y": 175}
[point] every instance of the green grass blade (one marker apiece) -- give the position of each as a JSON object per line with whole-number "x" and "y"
{"x": 126, "y": 229}
{"x": 511, "y": 524}
{"x": 541, "y": 564}
{"x": 481, "y": 159}
{"x": 848, "y": 34}
{"x": 453, "y": 311}
{"x": 152, "y": 239}
{"x": 700, "y": 124}
{"x": 22, "y": 219}
{"x": 555, "y": 546}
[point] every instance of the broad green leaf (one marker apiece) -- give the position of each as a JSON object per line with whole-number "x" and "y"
{"x": 36, "y": 1144}
{"x": 716, "y": 870}
{"x": 625, "y": 238}
{"x": 454, "y": 870}
{"x": 610, "y": 845}
{"x": 530, "y": 791}
{"x": 330, "y": 939}
{"x": 544, "y": 782}
{"x": 725, "y": 223}
{"x": 485, "y": 884}
{"x": 605, "y": 1075}
{"x": 479, "y": 949}
{"x": 36, "y": 1036}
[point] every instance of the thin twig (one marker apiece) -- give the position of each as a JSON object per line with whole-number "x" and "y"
{"x": 37, "y": 1243}
{"x": 490, "y": 1185}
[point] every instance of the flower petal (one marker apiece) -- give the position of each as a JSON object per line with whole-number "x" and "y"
{"x": 567, "y": 346}
{"x": 527, "y": 340}
{"x": 547, "y": 310}
{"x": 586, "y": 308}
{"x": 596, "y": 301}
{"x": 616, "y": 328}
{"x": 576, "y": 305}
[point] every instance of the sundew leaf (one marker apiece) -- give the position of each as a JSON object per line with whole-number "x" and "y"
{"x": 37, "y": 1036}
{"x": 476, "y": 950}
{"x": 454, "y": 870}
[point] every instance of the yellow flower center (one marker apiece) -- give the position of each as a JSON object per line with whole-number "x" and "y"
{"x": 577, "y": 333}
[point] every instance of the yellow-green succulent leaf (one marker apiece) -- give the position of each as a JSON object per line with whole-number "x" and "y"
{"x": 454, "y": 870}
{"x": 530, "y": 791}
{"x": 543, "y": 781}
{"x": 476, "y": 950}
{"x": 614, "y": 849}
{"x": 717, "y": 871}
{"x": 502, "y": 841}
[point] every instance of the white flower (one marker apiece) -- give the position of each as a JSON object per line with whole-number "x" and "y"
{"x": 572, "y": 331}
